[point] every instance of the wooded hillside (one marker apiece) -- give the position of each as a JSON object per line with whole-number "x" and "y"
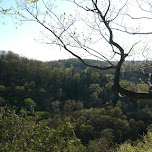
{"x": 66, "y": 106}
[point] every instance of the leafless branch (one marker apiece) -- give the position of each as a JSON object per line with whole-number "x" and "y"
{"x": 65, "y": 38}
{"x": 137, "y": 18}
{"x": 132, "y": 48}
{"x": 133, "y": 33}
{"x": 107, "y": 8}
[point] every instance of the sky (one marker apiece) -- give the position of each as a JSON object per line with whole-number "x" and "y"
{"x": 23, "y": 39}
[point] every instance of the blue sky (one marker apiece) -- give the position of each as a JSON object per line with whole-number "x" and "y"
{"x": 23, "y": 39}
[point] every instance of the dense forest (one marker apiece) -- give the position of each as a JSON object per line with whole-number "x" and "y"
{"x": 64, "y": 106}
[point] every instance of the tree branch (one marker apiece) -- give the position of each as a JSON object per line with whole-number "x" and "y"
{"x": 131, "y": 94}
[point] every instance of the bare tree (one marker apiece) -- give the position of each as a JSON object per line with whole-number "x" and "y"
{"x": 96, "y": 28}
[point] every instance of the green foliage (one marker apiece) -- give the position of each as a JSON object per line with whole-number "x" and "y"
{"x": 129, "y": 85}
{"x": 90, "y": 123}
{"x": 2, "y": 88}
{"x": 144, "y": 145}
{"x": 29, "y": 104}
{"x": 19, "y": 133}
{"x": 44, "y": 93}
{"x": 2, "y": 101}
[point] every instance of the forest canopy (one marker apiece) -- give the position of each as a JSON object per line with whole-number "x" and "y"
{"x": 70, "y": 105}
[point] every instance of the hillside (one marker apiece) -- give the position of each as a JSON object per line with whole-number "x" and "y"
{"x": 64, "y": 91}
